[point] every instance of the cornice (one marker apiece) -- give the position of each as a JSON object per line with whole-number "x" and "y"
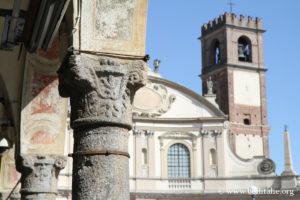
{"x": 180, "y": 120}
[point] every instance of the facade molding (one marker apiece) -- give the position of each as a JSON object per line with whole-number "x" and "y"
{"x": 181, "y": 120}
{"x": 201, "y": 99}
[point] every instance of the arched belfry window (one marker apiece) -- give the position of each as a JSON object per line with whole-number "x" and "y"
{"x": 216, "y": 53}
{"x": 179, "y": 161}
{"x": 244, "y": 49}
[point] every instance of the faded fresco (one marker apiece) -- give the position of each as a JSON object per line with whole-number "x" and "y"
{"x": 114, "y": 19}
{"x": 44, "y": 113}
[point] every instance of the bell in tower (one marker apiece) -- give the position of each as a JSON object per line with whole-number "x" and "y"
{"x": 241, "y": 52}
{"x": 244, "y": 49}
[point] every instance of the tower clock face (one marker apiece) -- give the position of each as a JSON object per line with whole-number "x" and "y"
{"x": 246, "y": 88}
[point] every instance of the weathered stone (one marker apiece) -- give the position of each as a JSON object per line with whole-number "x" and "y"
{"x": 112, "y": 26}
{"x": 101, "y": 91}
{"x": 39, "y": 176}
{"x": 101, "y": 176}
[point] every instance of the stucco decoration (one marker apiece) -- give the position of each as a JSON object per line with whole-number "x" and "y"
{"x": 267, "y": 166}
{"x": 39, "y": 175}
{"x": 211, "y": 132}
{"x": 145, "y": 132}
{"x": 152, "y": 101}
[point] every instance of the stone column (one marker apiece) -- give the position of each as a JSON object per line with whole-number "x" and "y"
{"x": 39, "y": 176}
{"x": 101, "y": 90}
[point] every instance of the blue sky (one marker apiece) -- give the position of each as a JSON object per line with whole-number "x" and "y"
{"x": 172, "y": 32}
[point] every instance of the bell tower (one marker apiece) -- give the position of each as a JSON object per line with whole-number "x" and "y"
{"x": 232, "y": 57}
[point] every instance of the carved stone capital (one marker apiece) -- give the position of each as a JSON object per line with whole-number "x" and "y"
{"x": 39, "y": 175}
{"x": 101, "y": 89}
{"x": 138, "y": 132}
{"x": 211, "y": 132}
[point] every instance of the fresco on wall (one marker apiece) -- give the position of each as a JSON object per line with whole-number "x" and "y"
{"x": 44, "y": 111}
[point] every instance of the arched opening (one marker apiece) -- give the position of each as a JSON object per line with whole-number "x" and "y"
{"x": 244, "y": 49}
{"x": 179, "y": 161}
{"x": 212, "y": 157}
{"x": 144, "y": 156}
{"x": 216, "y": 52}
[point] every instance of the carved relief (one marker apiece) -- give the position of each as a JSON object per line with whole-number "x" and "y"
{"x": 153, "y": 100}
{"x": 267, "y": 166}
{"x": 145, "y": 132}
{"x": 39, "y": 173}
{"x": 211, "y": 132}
{"x": 100, "y": 88}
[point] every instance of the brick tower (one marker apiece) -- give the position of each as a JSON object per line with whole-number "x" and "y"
{"x": 232, "y": 57}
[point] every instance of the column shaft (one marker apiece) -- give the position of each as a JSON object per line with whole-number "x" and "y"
{"x": 99, "y": 172}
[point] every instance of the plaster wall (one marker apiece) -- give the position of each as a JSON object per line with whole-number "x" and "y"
{"x": 246, "y": 88}
{"x": 118, "y": 28}
{"x": 248, "y": 146}
{"x": 185, "y": 106}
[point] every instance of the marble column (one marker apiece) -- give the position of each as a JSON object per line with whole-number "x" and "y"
{"x": 101, "y": 90}
{"x": 39, "y": 176}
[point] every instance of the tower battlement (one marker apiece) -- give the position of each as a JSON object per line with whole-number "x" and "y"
{"x": 232, "y": 19}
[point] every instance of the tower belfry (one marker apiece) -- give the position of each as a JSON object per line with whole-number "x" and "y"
{"x": 232, "y": 55}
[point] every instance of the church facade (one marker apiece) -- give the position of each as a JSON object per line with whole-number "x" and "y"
{"x": 182, "y": 145}
{"x": 187, "y": 146}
